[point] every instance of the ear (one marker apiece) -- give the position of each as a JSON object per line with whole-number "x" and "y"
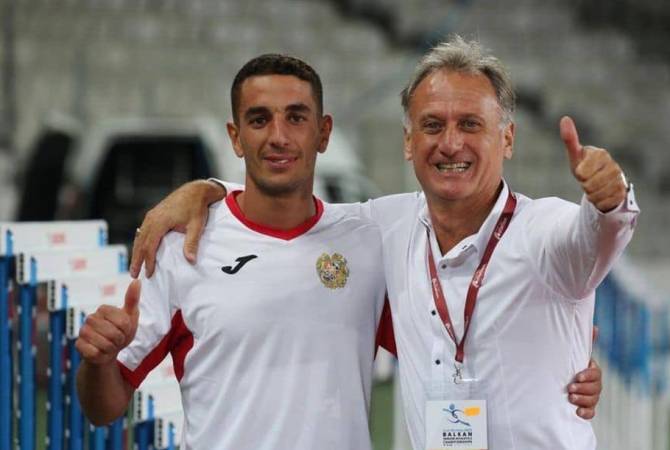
{"x": 234, "y": 134}
{"x": 508, "y": 140}
{"x": 326, "y": 129}
{"x": 407, "y": 143}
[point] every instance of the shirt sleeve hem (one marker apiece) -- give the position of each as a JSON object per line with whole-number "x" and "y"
{"x": 627, "y": 206}
{"x": 134, "y": 378}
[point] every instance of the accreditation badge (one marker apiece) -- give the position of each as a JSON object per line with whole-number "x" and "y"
{"x": 456, "y": 424}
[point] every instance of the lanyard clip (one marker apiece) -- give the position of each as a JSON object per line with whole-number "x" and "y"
{"x": 458, "y": 377}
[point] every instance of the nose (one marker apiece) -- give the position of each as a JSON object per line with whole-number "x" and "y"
{"x": 279, "y": 133}
{"x": 452, "y": 140}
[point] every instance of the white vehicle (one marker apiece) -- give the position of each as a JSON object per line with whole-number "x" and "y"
{"x": 118, "y": 169}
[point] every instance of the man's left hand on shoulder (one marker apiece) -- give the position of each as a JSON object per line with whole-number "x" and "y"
{"x": 600, "y": 177}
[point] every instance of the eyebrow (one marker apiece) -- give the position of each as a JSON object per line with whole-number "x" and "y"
{"x": 430, "y": 116}
{"x": 256, "y": 110}
{"x": 467, "y": 115}
{"x": 298, "y": 107}
{"x": 473, "y": 116}
{"x": 262, "y": 110}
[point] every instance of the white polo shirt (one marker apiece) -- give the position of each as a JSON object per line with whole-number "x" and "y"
{"x": 272, "y": 333}
{"x": 532, "y": 324}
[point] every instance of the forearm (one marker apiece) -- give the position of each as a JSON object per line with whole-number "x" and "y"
{"x": 614, "y": 232}
{"x": 578, "y": 248}
{"x": 598, "y": 241}
{"x": 103, "y": 393}
{"x": 213, "y": 190}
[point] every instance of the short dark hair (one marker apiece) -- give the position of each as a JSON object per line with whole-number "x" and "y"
{"x": 275, "y": 64}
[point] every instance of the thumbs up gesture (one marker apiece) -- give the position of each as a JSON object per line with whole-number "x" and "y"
{"x": 110, "y": 329}
{"x": 600, "y": 176}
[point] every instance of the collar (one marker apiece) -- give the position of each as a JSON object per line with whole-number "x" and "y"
{"x": 477, "y": 240}
{"x": 287, "y": 235}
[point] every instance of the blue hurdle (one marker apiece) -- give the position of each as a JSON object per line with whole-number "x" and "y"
{"x": 81, "y": 272}
{"x": 17, "y": 239}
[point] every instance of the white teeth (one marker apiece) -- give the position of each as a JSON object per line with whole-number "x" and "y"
{"x": 453, "y": 167}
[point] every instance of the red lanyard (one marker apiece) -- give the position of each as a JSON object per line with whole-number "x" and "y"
{"x": 473, "y": 289}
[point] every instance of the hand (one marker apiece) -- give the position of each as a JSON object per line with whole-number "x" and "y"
{"x": 109, "y": 330}
{"x": 584, "y": 392}
{"x": 600, "y": 176}
{"x": 184, "y": 210}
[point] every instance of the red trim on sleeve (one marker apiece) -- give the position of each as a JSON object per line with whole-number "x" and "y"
{"x": 178, "y": 341}
{"x": 287, "y": 235}
{"x": 127, "y": 375}
{"x": 183, "y": 344}
{"x": 385, "y": 336}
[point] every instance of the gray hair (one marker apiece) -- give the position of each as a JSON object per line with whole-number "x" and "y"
{"x": 462, "y": 56}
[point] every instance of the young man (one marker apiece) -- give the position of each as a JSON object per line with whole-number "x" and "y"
{"x": 272, "y": 332}
{"x": 492, "y": 293}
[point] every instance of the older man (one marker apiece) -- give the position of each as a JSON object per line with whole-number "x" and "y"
{"x": 492, "y": 293}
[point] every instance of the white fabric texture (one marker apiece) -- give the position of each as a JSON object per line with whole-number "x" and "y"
{"x": 532, "y": 325}
{"x": 279, "y": 360}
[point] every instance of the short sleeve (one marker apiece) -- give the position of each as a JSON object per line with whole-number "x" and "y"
{"x": 157, "y": 322}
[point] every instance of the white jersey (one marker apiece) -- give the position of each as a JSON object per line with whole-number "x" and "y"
{"x": 531, "y": 328}
{"x": 272, "y": 333}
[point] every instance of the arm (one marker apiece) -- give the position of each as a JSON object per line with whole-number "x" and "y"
{"x": 573, "y": 248}
{"x": 103, "y": 393}
{"x": 184, "y": 210}
{"x": 388, "y": 210}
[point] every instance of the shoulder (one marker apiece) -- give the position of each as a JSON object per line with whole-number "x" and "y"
{"x": 171, "y": 249}
{"x": 217, "y": 213}
{"x": 398, "y": 214}
{"x": 339, "y": 214}
{"x": 397, "y": 204}
{"x": 389, "y": 210}
{"x": 170, "y": 245}
{"x": 350, "y": 222}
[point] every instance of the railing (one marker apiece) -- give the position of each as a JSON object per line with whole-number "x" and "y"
{"x": 73, "y": 264}
{"x": 633, "y": 350}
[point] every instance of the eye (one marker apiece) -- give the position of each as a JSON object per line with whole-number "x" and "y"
{"x": 431, "y": 126}
{"x": 258, "y": 121}
{"x": 470, "y": 124}
{"x": 296, "y": 118}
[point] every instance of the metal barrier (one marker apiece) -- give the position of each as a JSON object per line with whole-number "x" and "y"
{"x": 80, "y": 272}
{"x": 634, "y": 352}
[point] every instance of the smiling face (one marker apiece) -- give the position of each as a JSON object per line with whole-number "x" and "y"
{"x": 279, "y": 134}
{"x": 456, "y": 139}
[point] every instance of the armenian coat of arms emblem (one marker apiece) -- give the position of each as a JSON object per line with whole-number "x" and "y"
{"x": 332, "y": 270}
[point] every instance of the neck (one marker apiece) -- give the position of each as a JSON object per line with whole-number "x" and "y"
{"x": 453, "y": 221}
{"x": 281, "y": 212}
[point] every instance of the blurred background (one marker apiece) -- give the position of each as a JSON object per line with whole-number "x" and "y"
{"x": 108, "y": 105}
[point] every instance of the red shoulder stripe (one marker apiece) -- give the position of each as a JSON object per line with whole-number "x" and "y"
{"x": 178, "y": 341}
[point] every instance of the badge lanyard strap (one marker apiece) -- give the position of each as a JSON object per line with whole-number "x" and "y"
{"x": 473, "y": 289}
